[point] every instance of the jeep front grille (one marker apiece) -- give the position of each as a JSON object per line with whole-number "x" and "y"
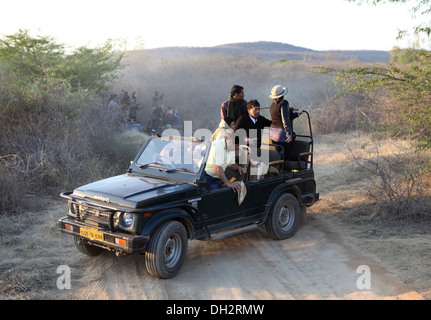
{"x": 97, "y": 216}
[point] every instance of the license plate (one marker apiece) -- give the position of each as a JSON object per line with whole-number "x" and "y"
{"x": 91, "y": 233}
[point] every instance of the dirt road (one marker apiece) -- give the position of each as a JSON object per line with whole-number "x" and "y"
{"x": 321, "y": 261}
{"x": 314, "y": 264}
{"x": 317, "y": 263}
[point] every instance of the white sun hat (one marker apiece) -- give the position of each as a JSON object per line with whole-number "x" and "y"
{"x": 278, "y": 91}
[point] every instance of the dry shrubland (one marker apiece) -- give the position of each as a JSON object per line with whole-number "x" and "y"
{"x": 377, "y": 180}
{"x": 45, "y": 150}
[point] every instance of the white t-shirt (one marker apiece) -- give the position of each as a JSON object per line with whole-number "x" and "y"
{"x": 219, "y": 156}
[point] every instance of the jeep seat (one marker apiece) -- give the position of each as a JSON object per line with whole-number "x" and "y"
{"x": 260, "y": 167}
{"x": 298, "y": 157}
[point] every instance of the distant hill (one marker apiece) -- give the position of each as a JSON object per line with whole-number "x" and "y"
{"x": 270, "y": 51}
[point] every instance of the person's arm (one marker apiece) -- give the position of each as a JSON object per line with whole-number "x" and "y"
{"x": 238, "y": 168}
{"x": 241, "y": 123}
{"x": 266, "y": 122}
{"x": 220, "y": 172}
{"x": 223, "y": 110}
{"x": 285, "y": 117}
{"x": 297, "y": 113}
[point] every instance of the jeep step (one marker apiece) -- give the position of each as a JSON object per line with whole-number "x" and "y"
{"x": 233, "y": 232}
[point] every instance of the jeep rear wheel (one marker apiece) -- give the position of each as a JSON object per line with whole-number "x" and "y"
{"x": 167, "y": 250}
{"x": 284, "y": 217}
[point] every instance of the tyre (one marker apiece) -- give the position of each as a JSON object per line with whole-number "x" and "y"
{"x": 85, "y": 248}
{"x": 284, "y": 218}
{"x": 167, "y": 250}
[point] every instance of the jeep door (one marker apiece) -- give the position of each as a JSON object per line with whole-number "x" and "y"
{"x": 220, "y": 206}
{"x": 258, "y": 193}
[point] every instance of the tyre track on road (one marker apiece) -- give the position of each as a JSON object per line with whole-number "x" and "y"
{"x": 316, "y": 263}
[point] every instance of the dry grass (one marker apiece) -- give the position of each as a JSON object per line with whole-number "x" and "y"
{"x": 351, "y": 200}
{"x": 349, "y": 184}
{"x": 28, "y": 245}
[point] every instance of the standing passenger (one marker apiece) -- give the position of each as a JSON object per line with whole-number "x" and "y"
{"x": 281, "y": 131}
{"x": 235, "y": 106}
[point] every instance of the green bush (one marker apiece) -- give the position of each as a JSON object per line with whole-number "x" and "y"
{"x": 51, "y": 116}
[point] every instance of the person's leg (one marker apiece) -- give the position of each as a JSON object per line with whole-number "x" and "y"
{"x": 285, "y": 148}
{"x": 213, "y": 183}
{"x": 292, "y": 151}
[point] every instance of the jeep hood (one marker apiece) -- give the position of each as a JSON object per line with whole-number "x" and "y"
{"x": 130, "y": 191}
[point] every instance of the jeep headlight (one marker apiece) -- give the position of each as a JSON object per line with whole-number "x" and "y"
{"x": 126, "y": 220}
{"x": 72, "y": 209}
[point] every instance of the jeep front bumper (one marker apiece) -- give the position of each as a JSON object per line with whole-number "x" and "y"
{"x": 114, "y": 241}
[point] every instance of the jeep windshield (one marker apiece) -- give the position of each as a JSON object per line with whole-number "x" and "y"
{"x": 172, "y": 156}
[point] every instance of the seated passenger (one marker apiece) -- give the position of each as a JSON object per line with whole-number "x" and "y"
{"x": 222, "y": 156}
{"x": 253, "y": 121}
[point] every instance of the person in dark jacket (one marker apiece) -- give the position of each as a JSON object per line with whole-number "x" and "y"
{"x": 281, "y": 131}
{"x": 253, "y": 123}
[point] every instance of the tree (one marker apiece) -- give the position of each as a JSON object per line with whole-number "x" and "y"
{"x": 29, "y": 58}
{"x": 92, "y": 68}
{"x": 40, "y": 58}
{"x": 50, "y": 115}
{"x": 407, "y": 79}
{"x": 419, "y": 7}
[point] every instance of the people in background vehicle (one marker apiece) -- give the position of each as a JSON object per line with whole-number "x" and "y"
{"x": 235, "y": 106}
{"x": 253, "y": 121}
{"x": 157, "y": 99}
{"x": 222, "y": 156}
{"x": 169, "y": 115}
{"x": 125, "y": 100}
{"x": 175, "y": 121}
{"x": 157, "y": 117}
{"x": 134, "y": 108}
{"x": 281, "y": 131}
{"x": 133, "y": 99}
{"x": 113, "y": 101}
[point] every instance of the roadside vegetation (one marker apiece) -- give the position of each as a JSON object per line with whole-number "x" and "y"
{"x": 401, "y": 94}
{"x": 56, "y": 131}
{"x": 52, "y": 124}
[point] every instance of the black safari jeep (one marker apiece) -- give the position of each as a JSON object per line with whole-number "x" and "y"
{"x": 163, "y": 200}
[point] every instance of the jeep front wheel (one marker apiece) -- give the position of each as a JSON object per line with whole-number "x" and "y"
{"x": 167, "y": 250}
{"x": 86, "y": 248}
{"x": 284, "y": 218}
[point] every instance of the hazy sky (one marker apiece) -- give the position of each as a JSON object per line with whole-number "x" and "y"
{"x": 314, "y": 24}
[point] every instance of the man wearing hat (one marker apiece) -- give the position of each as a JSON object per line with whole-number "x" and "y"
{"x": 281, "y": 131}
